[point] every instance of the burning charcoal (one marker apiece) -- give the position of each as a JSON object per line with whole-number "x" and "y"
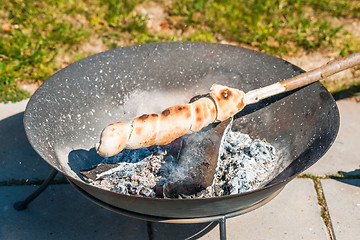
{"x": 134, "y": 176}
{"x": 238, "y": 185}
{"x": 241, "y": 164}
{"x": 133, "y": 190}
{"x": 145, "y": 192}
{"x": 259, "y": 151}
{"x": 244, "y": 165}
{"x": 120, "y": 188}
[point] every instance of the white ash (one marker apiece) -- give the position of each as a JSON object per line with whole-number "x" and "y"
{"x": 244, "y": 164}
{"x": 138, "y": 171}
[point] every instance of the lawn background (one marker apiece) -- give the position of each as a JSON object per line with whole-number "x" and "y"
{"x": 38, "y": 38}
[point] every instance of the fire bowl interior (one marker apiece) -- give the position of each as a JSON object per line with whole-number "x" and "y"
{"x": 64, "y": 118}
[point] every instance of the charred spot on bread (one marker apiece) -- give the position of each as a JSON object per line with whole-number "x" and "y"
{"x": 154, "y": 115}
{"x": 166, "y": 112}
{"x": 225, "y": 94}
{"x": 180, "y": 108}
{"x": 143, "y": 117}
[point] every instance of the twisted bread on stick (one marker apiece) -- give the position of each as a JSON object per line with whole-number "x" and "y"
{"x": 173, "y": 122}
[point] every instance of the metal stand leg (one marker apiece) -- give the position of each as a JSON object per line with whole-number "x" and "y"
{"x": 23, "y": 204}
{"x": 222, "y": 226}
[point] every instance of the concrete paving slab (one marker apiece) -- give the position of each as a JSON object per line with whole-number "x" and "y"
{"x": 18, "y": 160}
{"x": 343, "y": 201}
{"x": 62, "y": 213}
{"x": 343, "y": 155}
{"x": 293, "y": 214}
{"x": 9, "y": 109}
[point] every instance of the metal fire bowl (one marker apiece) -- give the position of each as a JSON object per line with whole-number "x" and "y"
{"x": 64, "y": 118}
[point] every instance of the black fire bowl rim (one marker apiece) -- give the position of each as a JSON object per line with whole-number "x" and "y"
{"x": 268, "y": 186}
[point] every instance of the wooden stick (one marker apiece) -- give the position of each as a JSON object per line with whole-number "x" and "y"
{"x": 303, "y": 79}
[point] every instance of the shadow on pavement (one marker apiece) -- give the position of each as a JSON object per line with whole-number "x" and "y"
{"x": 351, "y": 178}
{"x": 18, "y": 159}
{"x": 62, "y": 213}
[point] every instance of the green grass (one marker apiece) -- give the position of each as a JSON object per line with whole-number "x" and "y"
{"x": 36, "y": 36}
{"x": 28, "y": 49}
{"x": 277, "y": 27}
{"x": 41, "y": 31}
